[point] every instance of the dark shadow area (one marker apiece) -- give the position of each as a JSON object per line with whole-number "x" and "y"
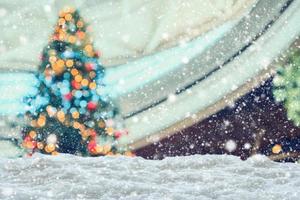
{"x": 254, "y": 124}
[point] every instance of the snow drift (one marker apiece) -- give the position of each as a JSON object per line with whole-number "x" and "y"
{"x": 193, "y": 177}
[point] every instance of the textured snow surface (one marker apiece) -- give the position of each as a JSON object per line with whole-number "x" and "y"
{"x": 193, "y": 177}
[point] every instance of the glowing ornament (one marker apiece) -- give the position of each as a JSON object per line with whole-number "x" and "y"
{"x": 92, "y": 85}
{"x": 74, "y": 72}
{"x": 78, "y": 78}
{"x": 72, "y": 39}
{"x": 61, "y": 116}
{"x": 80, "y": 35}
{"x": 91, "y": 106}
{"x": 29, "y": 144}
{"x": 52, "y": 59}
{"x": 92, "y": 146}
{"x": 99, "y": 150}
{"x": 110, "y": 131}
{"x": 27, "y": 139}
{"x": 93, "y": 133}
{"x": 80, "y": 24}
{"x": 68, "y": 96}
{"x": 52, "y": 139}
{"x": 68, "y": 17}
{"x": 50, "y": 148}
{"x": 41, "y": 121}
{"x": 88, "y": 48}
{"x": 60, "y": 63}
{"x": 69, "y": 63}
{"x": 40, "y": 145}
{"x": 89, "y": 66}
{"x": 32, "y": 134}
{"x": 84, "y": 82}
{"x": 118, "y": 134}
{"x": 75, "y": 85}
{"x": 61, "y": 21}
{"x": 58, "y": 67}
{"x": 75, "y": 115}
{"x": 276, "y": 148}
{"x": 76, "y": 125}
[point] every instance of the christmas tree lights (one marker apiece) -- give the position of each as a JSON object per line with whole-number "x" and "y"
{"x": 69, "y": 114}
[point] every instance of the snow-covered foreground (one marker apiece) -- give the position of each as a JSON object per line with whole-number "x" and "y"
{"x": 193, "y": 177}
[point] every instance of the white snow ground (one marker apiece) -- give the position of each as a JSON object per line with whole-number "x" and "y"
{"x": 194, "y": 177}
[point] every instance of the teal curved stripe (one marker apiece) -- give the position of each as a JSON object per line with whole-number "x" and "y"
{"x": 119, "y": 80}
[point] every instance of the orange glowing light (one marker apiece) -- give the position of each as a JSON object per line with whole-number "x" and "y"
{"x": 277, "y": 148}
{"x": 69, "y": 63}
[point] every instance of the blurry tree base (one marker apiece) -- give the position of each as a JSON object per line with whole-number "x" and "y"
{"x": 255, "y": 124}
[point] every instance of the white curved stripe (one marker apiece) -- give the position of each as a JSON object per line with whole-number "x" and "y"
{"x": 236, "y": 73}
{"x": 126, "y": 78}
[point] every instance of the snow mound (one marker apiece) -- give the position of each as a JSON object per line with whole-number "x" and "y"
{"x": 193, "y": 177}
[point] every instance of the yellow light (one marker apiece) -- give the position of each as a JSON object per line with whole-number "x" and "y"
{"x": 78, "y": 78}
{"x": 93, "y": 85}
{"x": 84, "y": 82}
{"x": 61, "y": 21}
{"x": 85, "y": 133}
{"x": 76, "y": 125}
{"x": 32, "y": 134}
{"x": 50, "y": 148}
{"x": 58, "y": 67}
{"x": 61, "y": 116}
{"x": 69, "y": 63}
{"x": 110, "y": 130}
{"x": 62, "y": 35}
{"x": 72, "y": 39}
{"x": 88, "y": 48}
{"x": 28, "y": 145}
{"x": 277, "y": 148}
{"x": 99, "y": 149}
{"x": 74, "y": 72}
{"x": 41, "y": 121}
{"x": 68, "y": 17}
{"x": 75, "y": 115}
{"x": 60, "y": 63}
{"x": 52, "y": 59}
{"x": 54, "y": 153}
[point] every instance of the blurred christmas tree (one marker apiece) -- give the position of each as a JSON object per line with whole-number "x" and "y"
{"x": 287, "y": 87}
{"x": 69, "y": 114}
